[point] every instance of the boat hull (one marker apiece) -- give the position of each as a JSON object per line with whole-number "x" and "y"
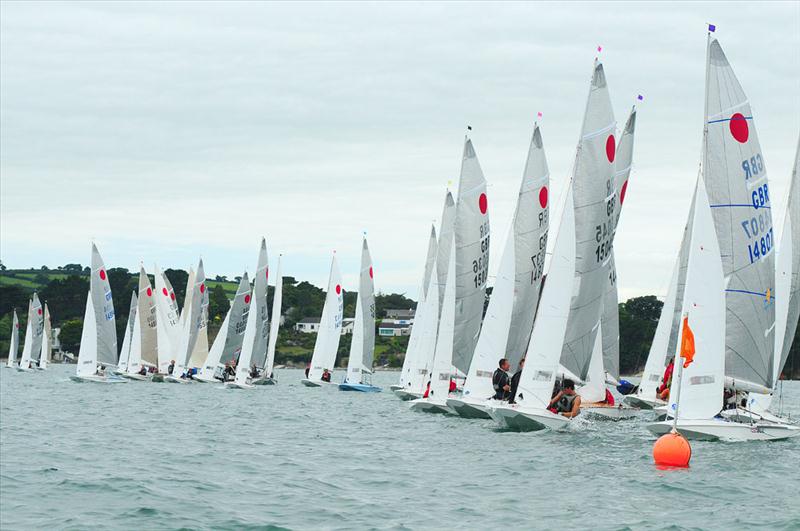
{"x": 642, "y": 403}
{"x": 746, "y": 416}
{"x": 426, "y": 406}
{"x": 610, "y": 412}
{"x": 363, "y": 388}
{"x": 395, "y": 387}
{"x": 516, "y": 417}
{"x": 94, "y": 378}
{"x": 158, "y": 378}
{"x": 234, "y": 385}
{"x": 470, "y": 408}
{"x": 135, "y": 376}
{"x": 721, "y": 429}
{"x": 177, "y": 380}
{"x": 265, "y": 381}
{"x": 404, "y": 395}
{"x": 315, "y": 383}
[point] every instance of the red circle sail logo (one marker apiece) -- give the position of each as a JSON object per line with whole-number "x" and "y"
{"x": 483, "y": 203}
{"x": 543, "y": 196}
{"x": 739, "y": 128}
{"x": 102, "y": 274}
{"x": 611, "y": 148}
{"x": 338, "y": 289}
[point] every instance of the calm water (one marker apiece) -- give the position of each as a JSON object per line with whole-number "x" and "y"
{"x": 157, "y": 456}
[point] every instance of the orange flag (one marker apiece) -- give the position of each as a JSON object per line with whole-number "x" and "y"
{"x": 687, "y": 343}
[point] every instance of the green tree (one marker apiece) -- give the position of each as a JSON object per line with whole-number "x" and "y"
{"x": 218, "y": 303}
{"x": 13, "y": 296}
{"x": 70, "y": 336}
{"x": 66, "y": 298}
{"x": 638, "y": 318}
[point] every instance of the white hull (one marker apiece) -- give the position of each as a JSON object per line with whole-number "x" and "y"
{"x": 94, "y": 378}
{"x": 265, "y": 381}
{"x": 234, "y": 385}
{"x": 746, "y": 416}
{"x": 720, "y": 429}
{"x": 516, "y": 417}
{"x": 135, "y": 376}
{"x": 643, "y": 403}
{"x": 395, "y": 387}
{"x": 427, "y": 406}
{"x": 315, "y": 383}
{"x": 21, "y": 369}
{"x": 471, "y": 408}
{"x": 402, "y": 394}
{"x": 177, "y": 380}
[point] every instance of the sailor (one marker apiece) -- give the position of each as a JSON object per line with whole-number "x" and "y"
{"x": 515, "y": 382}
{"x": 308, "y": 369}
{"x": 101, "y": 370}
{"x": 254, "y": 371}
{"x": 171, "y": 367}
{"x": 666, "y": 381}
{"x": 566, "y": 402}
{"x": 143, "y": 370}
{"x": 326, "y": 375}
{"x": 229, "y": 371}
{"x": 500, "y": 380}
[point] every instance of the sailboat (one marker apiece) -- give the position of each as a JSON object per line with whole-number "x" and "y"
{"x": 13, "y": 346}
{"x": 31, "y": 348}
{"x": 142, "y": 353}
{"x": 267, "y": 377}
{"x": 254, "y": 345}
{"x": 47, "y": 337}
{"x": 362, "y": 346}
{"x": 98, "y": 348}
{"x": 412, "y": 350}
{"x": 787, "y": 301}
{"x": 125, "y": 352}
{"x": 330, "y": 331}
{"x": 590, "y": 212}
{"x": 200, "y": 350}
{"x": 441, "y": 368}
{"x": 227, "y": 345}
{"x": 604, "y": 366}
{"x": 190, "y": 328}
{"x": 167, "y": 323}
{"x": 509, "y": 318}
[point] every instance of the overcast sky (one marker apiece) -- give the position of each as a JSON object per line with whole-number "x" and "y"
{"x": 169, "y": 130}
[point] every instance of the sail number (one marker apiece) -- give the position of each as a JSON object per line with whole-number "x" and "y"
{"x": 760, "y": 196}
{"x": 752, "y": 166}
{"x": 760, "y": 247}
{"x": 538, "y": 259}
{"x": 480, "y": 267}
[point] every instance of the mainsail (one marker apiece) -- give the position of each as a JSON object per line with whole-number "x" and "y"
{"x": 125, "y": 351}
{"x": 146, "y": 314}
{"x": 13, "y": 346}
{"x": 610, "y": 320}
{"x": 789, "y": 269}
{"x": 441, "y": 366}
{"x": 362, "y": 345}
{"x": 260, "y": 288}
{"x": 167, "y": 321}
{"x": 594, "y": 198}
{"x": 192, "y": 322}
{"x": 36, "y": 318}
{"x": 472, "y": 257}
{"x": 330, "y": 326}
{"x": 228, "y": 343}
{"x": 277, "y": 301}
{"x": 446, "y": 233}
{"x": 99, "y": 336}
{"x": 736, "y": 183}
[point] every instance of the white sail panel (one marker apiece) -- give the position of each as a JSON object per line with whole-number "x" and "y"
{"x": 146, "y": 313}
{"x": 239, "y": 311}
{"x": 789, "y": 256}
{"x": 100, "y": 289}
{"x": 472, "y": 257}
{"x": 27, "y": 346}
{"x": 446, "y": 234}
{"x": 330, "y": 326}
{"x": 47, "y": 339}
{"x": 260, "y": 288}
{"x": 427, "y": 322}
{"x": 594, "y": 197}
{"x": 442, "y": 366}
{"x": 13, "y": 346}
{"x": 736, "y": 182}
{"x": 167, "y": 321}
{"x": 36, "y": 317}
{"x": 125, "y": 351}
{"x": 531, "y": 224}
{"x": 549, "y": 329}
{"x": 701, "y": 383}
{"x": 362, "y": 346}
{"x": 277, "y": 301}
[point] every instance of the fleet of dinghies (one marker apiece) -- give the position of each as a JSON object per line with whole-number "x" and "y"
{"x": 553, "y": 305}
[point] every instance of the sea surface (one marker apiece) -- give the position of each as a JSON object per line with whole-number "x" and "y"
{"x": 144, "y": 455}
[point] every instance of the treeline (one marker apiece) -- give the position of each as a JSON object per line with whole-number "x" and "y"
{"x": 65, "y": 288}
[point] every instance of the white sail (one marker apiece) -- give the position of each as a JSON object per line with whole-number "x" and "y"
{"x": 145, "y": 348}
{"x": 47, "y": 338}
{"x": 594, "y": 196}
{"x": 100, "y": 289}
{"x": 657, "y": 357}
{"x": 27, "y": 345}
{"x": 594, "y": 390}
{"x": 187, "y": 300}
{"x": 788, "y": 295}
{"x": 249, "y": 338}
{"x": 441, "y": 367}
{"x": 13, "y": 346}
{"x": 37, "y": 328}
{"x": 549, "y": 329}
{"x": 412, "y": 350}
{"x": 277, "y": 301}
{"x": 446, "y": 234}
{"x": 472, "y": 257}
{"x": 530, "y": 229}
{"x": 330, "y": 326}
{"x": 362, "y": 345}
{"x": 215, "y": 352}
{"x": 701, "y": 383}
{"x": 610, "y": 322}
{"x": 167, "y": 321}
{"x": 192, "y": 322}
{"x": 87, "y": 353}
{"x": 254, "y": 348}
{"x": 427, "y": 323}
{"x": 135, "y": 356}
{"x": 735, "y": 176}
{"x": 228, "y": 344}
{"x": 125, "y": 352}
{"x": 495, "y": 330}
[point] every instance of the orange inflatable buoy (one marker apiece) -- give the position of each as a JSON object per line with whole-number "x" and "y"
{"x": 672, "y": 449}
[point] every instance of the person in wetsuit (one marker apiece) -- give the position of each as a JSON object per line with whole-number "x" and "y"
{"x": 254, "y": 371}
{"x": 566, "y": 402}
{"x": 326, "y": 376}
{"x": 515, "y": 382}
{"x": 500, "y": 380}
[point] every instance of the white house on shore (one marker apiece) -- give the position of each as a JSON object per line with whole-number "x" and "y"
{"x": 310, "y": 325}
{"x": 396, "y": 323}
